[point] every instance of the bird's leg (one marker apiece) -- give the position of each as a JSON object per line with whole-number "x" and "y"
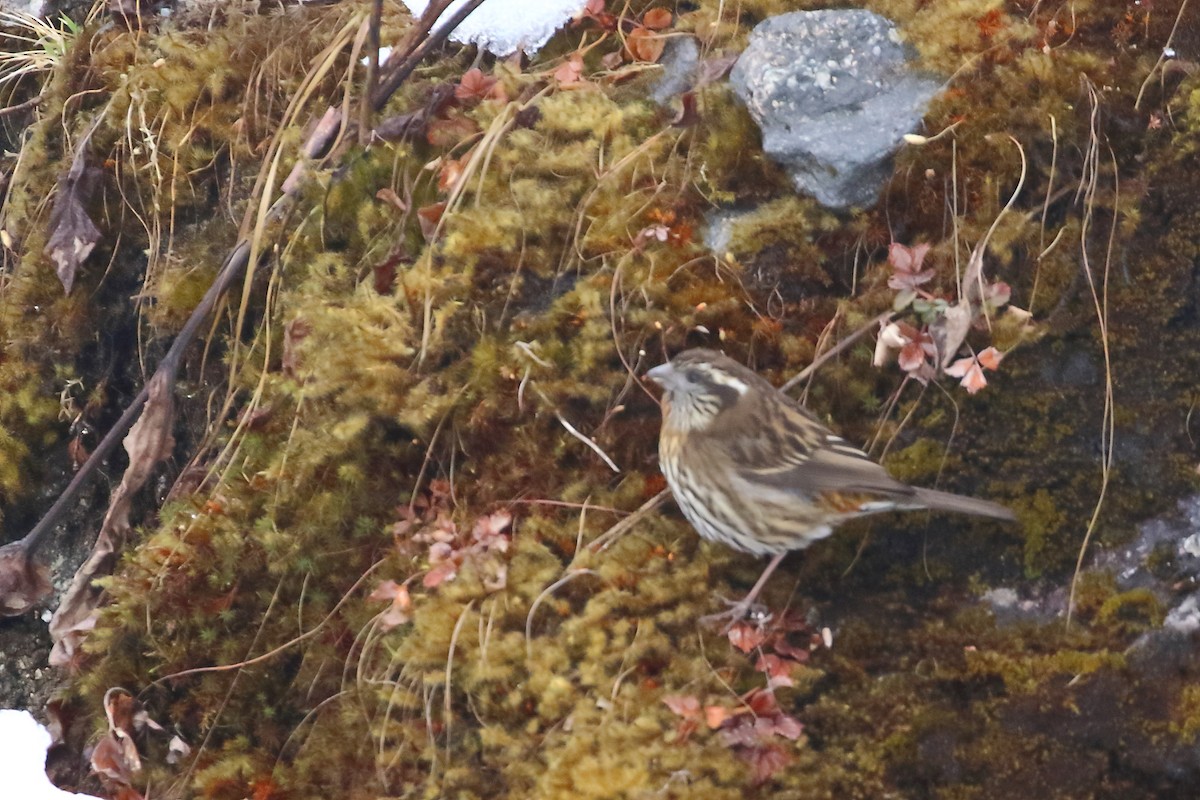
{"x": 738, "y": 611}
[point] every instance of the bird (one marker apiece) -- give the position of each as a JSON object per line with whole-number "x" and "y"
{"x": 751, "y": 468}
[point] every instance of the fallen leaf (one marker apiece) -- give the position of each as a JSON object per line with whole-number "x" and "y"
{"x": 449, "y": 131}
{"x": 148, "y": 442}
{"x": 970, "y": 372}
{"x": 745, "y": 637}
{"x": 294, "y": 332}
{"x": 72, "y": 232}
{"x": 990, "y": 358}
{"x": 474, "y": 85}
{"x": 714, "y": 69}
{"x": 906, "y": 266}
{"x": 765, "y": 761}
{"x": 644, "y": 44}
{"x": 686, "y": 706}
{"x": 570, "y": 71}
{"x": 949, "y": 331}
{"x": 688, "y": 115}
{"x": 429, "y": 217}
{"x": 23, "y": 582}
{"x": 388, "y": 195}
{"x": 715, "y": 716}
{"x": 656, "y": 19}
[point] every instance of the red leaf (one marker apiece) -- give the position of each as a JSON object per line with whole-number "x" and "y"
{"x": 765, "y": 761}
{"x": 451, "y": 131}
{"x": 570, "y": 71}
{"x": 686, "y": 706}
{"x": 912, "y": 357}
{"x": 644, "y": 44}
{"x": 429, "y": 217}
{"x": 657, "y": 18}
{"x": 746, "y": 637}
{"x": 474, "y": 85}
{"x": 971, "y": 373}
{"x": 990, "y": 358}
{"x": 715, "y": 716}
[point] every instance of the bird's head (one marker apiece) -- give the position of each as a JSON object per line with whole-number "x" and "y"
{"x": 700, "y": 385}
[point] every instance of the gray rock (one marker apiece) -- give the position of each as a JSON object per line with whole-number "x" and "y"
{"x": 680, "y": 60}
{"x": 834, "y": 93}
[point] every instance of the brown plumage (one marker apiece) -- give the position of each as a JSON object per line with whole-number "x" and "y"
{"x": 751, "y": 468}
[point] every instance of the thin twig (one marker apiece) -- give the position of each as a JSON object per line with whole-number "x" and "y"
{"x": 882, "y": 319}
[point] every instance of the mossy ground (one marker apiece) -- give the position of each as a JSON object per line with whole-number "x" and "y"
{"x": 379, "y": 376}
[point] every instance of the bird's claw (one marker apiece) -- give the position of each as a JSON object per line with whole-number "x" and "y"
{"x": 736, "y": 611}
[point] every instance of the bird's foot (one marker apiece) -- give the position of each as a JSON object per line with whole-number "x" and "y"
{"x": 735, "y": 612}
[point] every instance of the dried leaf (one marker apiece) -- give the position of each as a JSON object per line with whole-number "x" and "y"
{"x": 715, "y": 716}
{"x": 148, "y": 442}
{"x": 570, "y": 71}
{"x": 450, "y": 172}
{"x": 906, "y": 263}
{"x": 644, "y": 44}
{"x": 746, "y": 637}
{"x": 23, "y": 582}
{"x": 388, "y": 195}
{"x": 413, "y": 125}
{"x": 949, "y": 330}
{"x": 429, "y": 217}
{"x": 474, "y": 86}
{"x": 972, "y": 285}
{"x": 765, "y": 761}
{"x": 177, "y": 750}
{"x": 971, "y": 373}
{"x": 72, "y": 232}
{"x": 294, "y": 333}
{"x": 401, "y": 604}
{"x": 688, "y": 115}
{"x": 990, "y": 358}
{"x": 657, "y": 19}
{"x": 686, "y": 706}
{"x": 450, "y": 131}
{"x": 714, "y": 69}
{"x": 611, "y": 61}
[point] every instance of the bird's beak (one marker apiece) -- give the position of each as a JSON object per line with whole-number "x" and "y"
{"x": 662, "y": 374}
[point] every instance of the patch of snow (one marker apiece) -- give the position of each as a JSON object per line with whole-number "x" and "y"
{"x": 505, "y": 26}
{"x": 23, "y": 746}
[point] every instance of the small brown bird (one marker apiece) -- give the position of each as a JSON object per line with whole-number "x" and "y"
{"x": 751, "y": 468}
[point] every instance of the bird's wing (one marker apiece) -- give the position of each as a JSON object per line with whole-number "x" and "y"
{"x": 797, "y": 453}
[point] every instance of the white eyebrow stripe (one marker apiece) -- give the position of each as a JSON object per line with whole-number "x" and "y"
{"x": 725, "y": 379}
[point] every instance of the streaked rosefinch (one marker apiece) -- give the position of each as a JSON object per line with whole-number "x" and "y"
{"x": 751, "y": 468}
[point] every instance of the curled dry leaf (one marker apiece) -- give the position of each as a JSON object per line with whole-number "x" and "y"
{"x": 294, "y": 332}
{"x": 570, "y": 72}
{"x": 686, "y": 706}
{"x": 23, "y": 582}
{"x": 644, "y": 44}
{"x": 148, "y": 442}
{"x": 429, "y": 217}
{"x": 949, "y": 331}
{"x": 451, "y": 130}
{"x": 72, "y": 232}
{"x": 990, "y": 358}
{"x": 398, "y": 613}
{"x": 688, "y": 114}
{"x": 745, "y": 636}
{"x": 970, "y": 372}
{"x": 475, "y": 86}
{"x": 389, "y": 196}
{"x": 656, "y": 19}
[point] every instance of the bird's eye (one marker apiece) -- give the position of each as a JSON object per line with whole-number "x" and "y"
{"x": 694, "y": 376}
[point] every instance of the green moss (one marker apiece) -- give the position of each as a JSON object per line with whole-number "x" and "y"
{"x": 376, "y": 417}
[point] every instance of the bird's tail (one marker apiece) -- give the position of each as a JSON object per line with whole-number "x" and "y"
{"x": 944, "y": 501}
